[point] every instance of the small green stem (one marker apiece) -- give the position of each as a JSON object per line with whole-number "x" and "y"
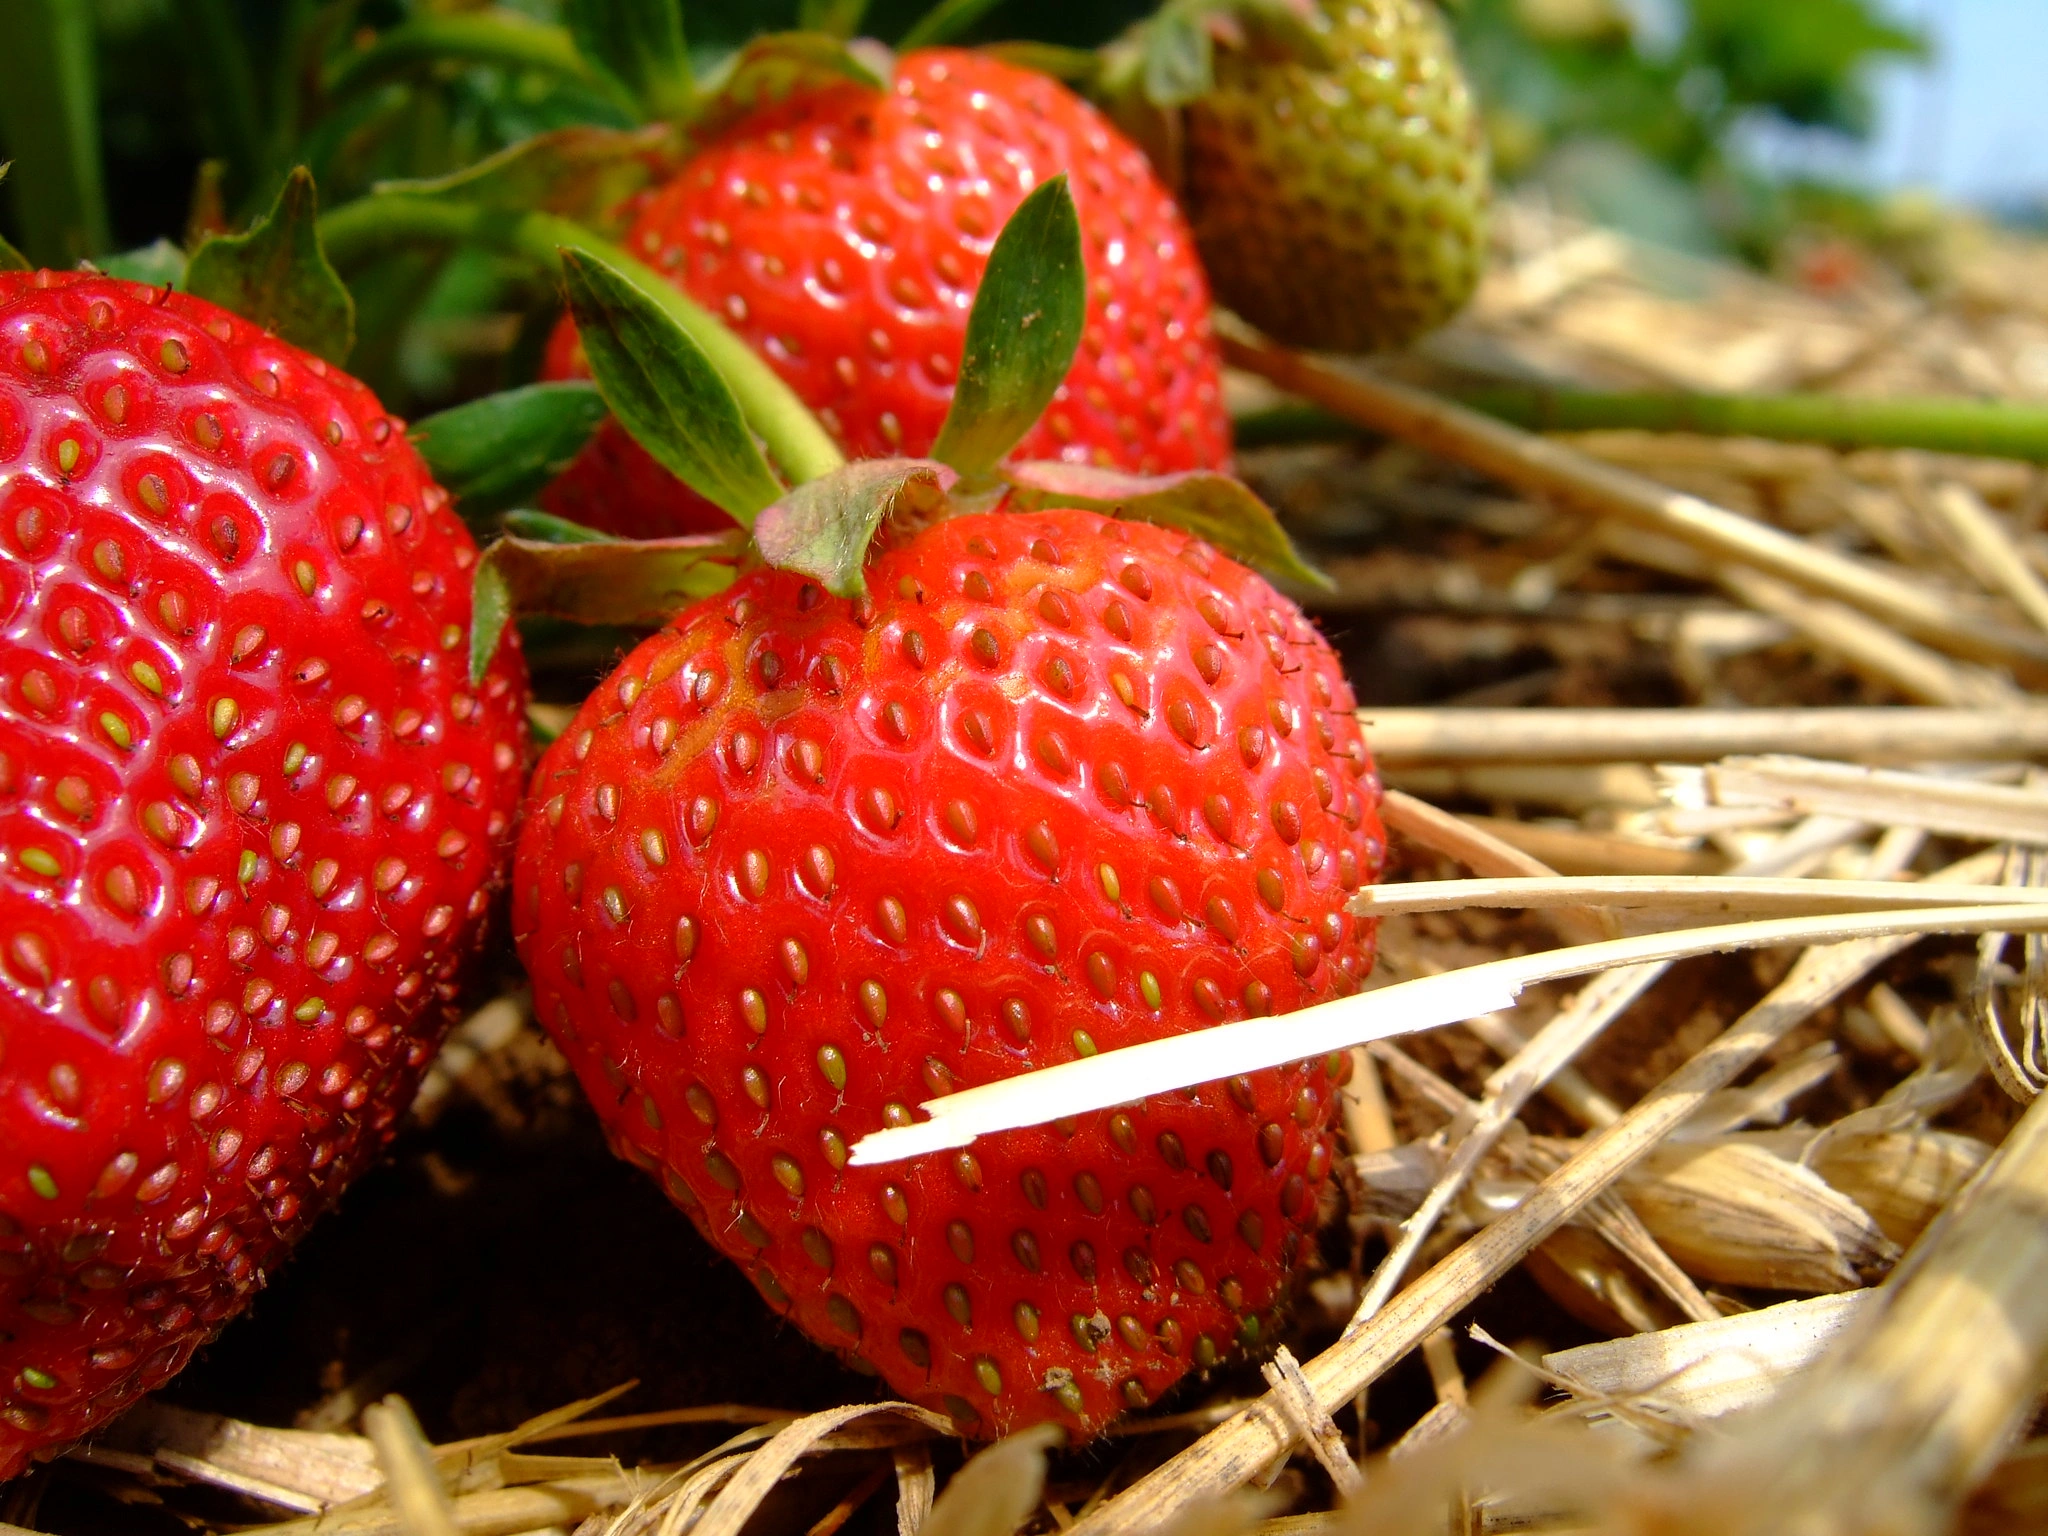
{"x": 943, "y": 23}
{"x": 475, "y": 39}
{"x": 358, "y": 230}
{"x": 1988, "y": 428}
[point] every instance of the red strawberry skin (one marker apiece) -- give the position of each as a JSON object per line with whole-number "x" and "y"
{"x": 1063, "y": 785}
{"x": 842, "y": 234}
{"x": 251, "y": 818}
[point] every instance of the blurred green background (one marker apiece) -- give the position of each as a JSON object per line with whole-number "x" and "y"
{"x": 133, "y": 121}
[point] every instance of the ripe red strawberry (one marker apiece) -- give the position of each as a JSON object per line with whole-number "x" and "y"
{"x": 251, "y": 816}
{"x": 1063, "y": 784}
{"x": 842, "y": 234}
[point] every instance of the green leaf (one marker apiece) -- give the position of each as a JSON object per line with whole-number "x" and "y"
{"x": 1209, "y": 505}
{"x": 11, "y": 260}
{"x": 945, "y": 22}
{"x": 278, "y": 276}
{"x": 496, "y": 38}
{"x": 665, "y": 391}
{"x": 776, "y": 66}
{"x": 160, "y": 264}
{"x": 49, "y": 119}
{"x": 1021, "y": 334}
{"x": 607, "y": 581}
{"x": 823, "y": 527}
{"x": 1180, "y": 59}
{"x": 546, "y": 528}
{"x": 639, "y": 43}
{"x": 495, "y": 452}
{"x": 838, "y": 18}
{"x": 580, "y": 172}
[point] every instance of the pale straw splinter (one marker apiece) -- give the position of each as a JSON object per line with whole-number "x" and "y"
{"x": 1183, "y": 1061}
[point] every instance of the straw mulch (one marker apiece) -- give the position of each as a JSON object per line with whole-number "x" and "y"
{"x": 1700, "y": 1236}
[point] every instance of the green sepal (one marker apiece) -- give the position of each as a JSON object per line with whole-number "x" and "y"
{"x": 823, "y": 527}
{"x": 1078, "y": 67}
{"x": 639, "y": 44}
{"x": 773, "y": 67}
{"x": 1222, "y": 510}
{"x": 835, "y": 18}
{"x": 278, "y": 276}
{"x": 496, "y": 38}
{"x": 606, "y": 581}
{"x": 1179, "y": 59}
{"x": 546, "y": 528}
{"x": 580, "y": 172}
{"x": 11, "y": 260}
{"x": 665, "y": 391}
{"x": 159, "y": 264}
{"x": 1021, "y": 333}
{"x": 495, "y": 452}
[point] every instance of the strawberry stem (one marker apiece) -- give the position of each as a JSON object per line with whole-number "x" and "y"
{"x": 1990, "y": 428}
{"x": 387, "y": 221}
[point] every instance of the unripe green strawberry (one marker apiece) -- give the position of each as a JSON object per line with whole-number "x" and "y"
{"x": 1342, "y": 209}
{"x": 1060, "y": 784}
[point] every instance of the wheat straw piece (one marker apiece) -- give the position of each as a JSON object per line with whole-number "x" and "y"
{"x": 1730, "y": 896}
{"x": 740, "y": 1497}
{"x": 1576, "y": 1025}
{"x": 915, "y": 1485}
{"x": 1989, "y": 550}
{"x": 1252, "y": 1045}
{"x": 1887, "y": 797}
{"x": 1890, "y": 1430}
{"x": 1870, "y": 646}
{"x": 1543, "y": 468}
{"x": 1484, "y": 854}
{"x": 1707, "y": 1369}
{"x": 1311, "y": 1421}
{"x": 1226, "y": 1457}
{"x": 412, "y": 1480}
{"x": 1901, "y": 734}
{"x": 257, "y": 1488}
{"x": 498, "y": 1512}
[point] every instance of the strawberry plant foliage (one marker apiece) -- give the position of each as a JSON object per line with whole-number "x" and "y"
{"x": 581, "y": 172}
{"x": 495, "y": 452}
{"x": 584, "y": 575}
{"x": 1223, "y": 510}
{"x": 775, "y": 67}
{"x": 278, "y": 276}
{"x": 666, "y": 392}
{"x": 1021, "y": 333}
{"x": 639, "y": 44}
{"x": 823, "y": 528}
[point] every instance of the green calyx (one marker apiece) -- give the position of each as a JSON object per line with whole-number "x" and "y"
{"x": 579, "y": 172}
{"x": 497, "y": 452}
{"x": 669, "y": 391}
{"x": 278, "y": 275}
{"x": 577, "y": 573}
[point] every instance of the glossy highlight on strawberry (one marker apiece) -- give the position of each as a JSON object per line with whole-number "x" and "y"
{"x": 252, "y": 817}
{"x": 1060, "y": 785}
{"x": 842, "y": 235}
